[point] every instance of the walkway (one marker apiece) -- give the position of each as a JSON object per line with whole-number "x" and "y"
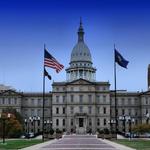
{"x": 78, "y": 142}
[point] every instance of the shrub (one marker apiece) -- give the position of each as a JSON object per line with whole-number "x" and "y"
{"x": 58, "y": 131}
{"x": 101, "y": 131}
{"x": 51, "y": 131}
{"x": 106, "y": 131}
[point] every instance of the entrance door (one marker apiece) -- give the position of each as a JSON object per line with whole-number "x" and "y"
{"x": 80, "y": 122}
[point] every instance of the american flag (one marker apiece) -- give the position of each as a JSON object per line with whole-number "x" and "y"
{"x": 50, "y": 61}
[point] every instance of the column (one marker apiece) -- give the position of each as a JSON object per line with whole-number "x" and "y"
{"x": 78, "y": 74}
{"x": 83, "y": 74}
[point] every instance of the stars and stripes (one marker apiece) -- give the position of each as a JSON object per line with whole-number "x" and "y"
{"x": 50, "y": 61}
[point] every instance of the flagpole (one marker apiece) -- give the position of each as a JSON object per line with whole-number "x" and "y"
{"x": 116, "y": 121}
{"x": 43, "y": 99}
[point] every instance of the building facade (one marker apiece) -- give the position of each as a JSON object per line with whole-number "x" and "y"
{"x": 81, "y": 104}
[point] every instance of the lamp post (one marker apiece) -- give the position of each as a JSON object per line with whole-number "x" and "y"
{"x": 46, "y": 122}
{"x": 51, "y": 123}
{"x": 123, "y": 119}
{"x": 130, "y": 121}
{"x": 34, "y": 119}
{"x": 30, "y": 120}
{"x": 111, "y": 122}
{"x": 3, "y": 118}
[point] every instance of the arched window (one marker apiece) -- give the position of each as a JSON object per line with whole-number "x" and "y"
{"x": 57, "y": 122}
{"x": 63, "y": 122}
{"x": 98, "y": 121}
{"x": 90, "y": 122}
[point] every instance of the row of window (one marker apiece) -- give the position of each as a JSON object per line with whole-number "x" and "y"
{"x": 99, "y": 88}
{"x": 80, "y": 110}
{"x": 36, "y": 112}
{"x": 8, "y": 101}
{"x": 36, "y": 101}
{"x": 72, "y": 123}
{"x": 125, "y": 101}
{"x": 130, "y": 112}
{"x": 81, "y": 97}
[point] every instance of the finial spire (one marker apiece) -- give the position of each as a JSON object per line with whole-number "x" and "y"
{"x": 80, "y": 22}
{"x": 80, "y": 32}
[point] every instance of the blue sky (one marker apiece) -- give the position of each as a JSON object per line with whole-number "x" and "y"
{"x": 27, "y": 24}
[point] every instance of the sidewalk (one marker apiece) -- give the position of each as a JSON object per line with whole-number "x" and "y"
{"x": 49, "y": 144}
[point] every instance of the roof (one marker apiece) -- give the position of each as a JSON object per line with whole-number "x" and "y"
{"x": 80, "y": 51}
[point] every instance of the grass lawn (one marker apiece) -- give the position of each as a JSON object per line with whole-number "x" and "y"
{"x": 17, "y": 144}
{"x": 137, "y": 144}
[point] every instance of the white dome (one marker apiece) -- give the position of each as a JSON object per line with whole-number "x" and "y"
{"x": 81, "y": 52}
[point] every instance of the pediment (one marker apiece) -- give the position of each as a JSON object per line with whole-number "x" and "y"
{"x": 11, "y": 93}
{"x": 81, "y": 82}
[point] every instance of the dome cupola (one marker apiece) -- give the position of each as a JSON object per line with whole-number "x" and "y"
{"x": 81, "y": 61}
{"x": 80, "y": 51}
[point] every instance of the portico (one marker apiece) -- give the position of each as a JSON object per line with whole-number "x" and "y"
{"x": 81, "y": 123}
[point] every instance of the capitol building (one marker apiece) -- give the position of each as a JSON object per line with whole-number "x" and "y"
{"x": 81, "y": 103}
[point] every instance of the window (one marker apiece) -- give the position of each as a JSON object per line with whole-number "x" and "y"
{"x": 146, "y": 100}
{"x": 104, "y": 110}
{"x": 104, "y": 88}
{"x": 32, "y": 112}
{"x": 80, "y": 72}
{"x": 71, "y": 110}
{"x": 90, "y": 109}
{"x": 71, "y": 122}
{"x": 90, "y": 98}
{"x": 38, "y": 122}
{"x": 26, "y": 101}
{"x": 129, "y": 112}
{"x": 98, "y": 122}
{"x": 64, "y": 99}
{"x": 129, "y": 101}
{"x": 9, "y": 101}
{"x": 104, "y": 121}
{"x": 39, "y": 102}
{"x": 64, "y": 89}
{"x": 90, "y": 122}
{"x": 39, "y": 112}
{"x": 46, "y": 101}
{"x": 81, "y": 98}
{"x": 97, "y": 97}
{"x": 57, "y": 99}
{"x": 104, "y": 98}
{"x": 81, "y": 109}
{"x": 57, "y": 122}
{"x": 63, "y": 122}
{"x": 3, "y": 100}
{"x": 71, "y": 88}
{"x": 136, "y": 112}
{"x": 146, "y": 111}
{"x": 123, "y": 112}
{"x": 64, "y": 110}
{"x": 32, "y": 101}
{"x": 57, "y": 110}
{"x": 117, "y": 112}
{"x": 72, "y": 97}
{"x": 57, "y": 89}
{"x": 122, "y": 101}
{"x": 15, "y": 101}
{"x": 98, "y": 110}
